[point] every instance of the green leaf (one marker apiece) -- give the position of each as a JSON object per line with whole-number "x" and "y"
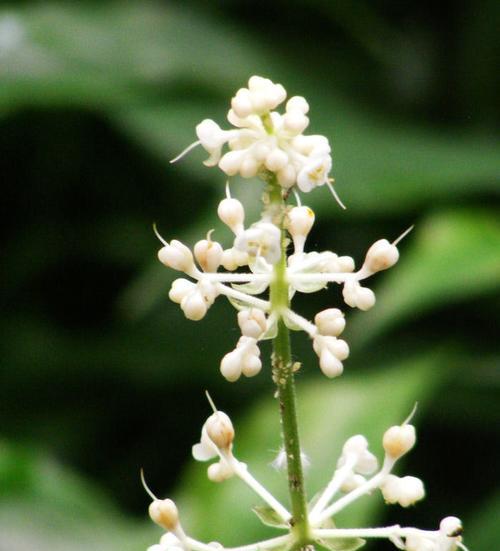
{"x": 342, "y": 544}
{"x": 268, "y": 516}
{"x": 329, "y": 412}
{"x": 453, "y": 256}
{"x": 48, "y": 508}
{"x": 481, "y": 532}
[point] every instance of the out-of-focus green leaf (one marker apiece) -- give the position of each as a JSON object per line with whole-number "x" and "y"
{"x": 44, "y": 507}
{"x": 452, "y": 256}
{"x": 330, "y": 412}
{"x": 483, "y": 531}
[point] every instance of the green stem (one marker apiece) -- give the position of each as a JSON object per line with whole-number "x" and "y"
{"x": 284, "y": 378}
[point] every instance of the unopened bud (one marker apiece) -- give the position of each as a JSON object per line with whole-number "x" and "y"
{"x": 252, "y": 322}
{"x": 330, "y": 322}
{"x": 177, "y": 256}
{"x": 300, "y": 220}
{"x": 220, "y": 430}
{"x": 451, "y": 527}
{"x": 208, "y": 254}
{"x": 194, "y": 306}
{"x": 329, "y": 364}
{"x": 381, "y": 255}
{"x": 352, "y": 482}
{"x": 232, "y": 213}
{"x": 180, "y": 289}
{"x": 234, "y": 258}
{"x": 251, "y": 365}
{"x": 231, "y": 365}
{"x": 220, "y": 471}
{"x": 164, "y": 512}
{"x": 399, "y": 440}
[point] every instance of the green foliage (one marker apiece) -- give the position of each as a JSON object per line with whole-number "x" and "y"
{"x": 100, "y": 372}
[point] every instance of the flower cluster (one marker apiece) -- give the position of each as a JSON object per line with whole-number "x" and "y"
{"x": 258, "y": 247}
{"x": 357, "y": 475}
{"x": 265, "y": 140}
{"x": 265, "y": 266}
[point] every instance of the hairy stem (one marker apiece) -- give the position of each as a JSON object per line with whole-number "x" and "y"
{"x": 284, "y": 378}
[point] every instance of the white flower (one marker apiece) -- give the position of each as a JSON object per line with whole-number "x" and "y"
{"x": 265, "y": 140}
{"x": 314, "y": 173}
{"x": 261, "y": 239}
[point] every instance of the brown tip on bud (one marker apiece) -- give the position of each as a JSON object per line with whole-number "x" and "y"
{"x": 220, "y": 430}
{"x": 164, "y": 512}
{"x": 399, "y": 440}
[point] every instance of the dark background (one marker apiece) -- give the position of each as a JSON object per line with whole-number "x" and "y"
{"x": 101, "y": 374}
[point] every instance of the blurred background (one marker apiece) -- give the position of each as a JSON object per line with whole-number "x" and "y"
{"x": 102, "y": 375}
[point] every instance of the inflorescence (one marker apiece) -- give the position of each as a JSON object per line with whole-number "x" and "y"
{"x": 272, "y": 147}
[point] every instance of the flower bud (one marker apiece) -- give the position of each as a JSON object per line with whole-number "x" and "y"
{"x": 251, "y": 365}
{"x": 220, "y": 471}
{"x": 276, "y": 160}
{"x": 287, "y": 176}
{"x": 352, "y": 482}
{"x": 330, "y": 322}
{"x": 295, "y": 122}
{"x": 176, "y": 256}
{"x": 232, "y": 213}
{"x": 164, "y": 513}
{"x": 208, "y": 254}
{"x": 231, "y": 365}
{"x": 252, "y": 322}
{"x": 180, "y": 289}
{"x": 399, "y": 440}
{"x": 412, "y": 490}
{"x": 194, "y": 306}
{"x": 297, "y": 103}
{"x": 406, "y": 491}
{"x": 357, "y": 296}
{"x": 338, "y": 347}
{"x": 451, "y": 527}
{"x": 329, "y": 364}
{"x": 381, "y": 255}
{"x": 346, "y": 264}
{"x": 220, "y": 430}
{"x": 299, "y": 223}
{"x": 365, "y": 298}
{"x": 242, "y": 103}
{"x": 249, "y": 167}
{"x": 230, "y": 162}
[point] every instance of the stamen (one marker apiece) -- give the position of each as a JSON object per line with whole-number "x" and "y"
{"x": 403, "y": 235}
{"x": 146, "y": 487}
{"x": 157, "y": 233}
{"x": 186, "y": 151}
{"x": 335, "y": 195}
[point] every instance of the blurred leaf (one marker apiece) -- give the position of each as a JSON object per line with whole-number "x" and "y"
{"x": 47, "y": 508}
{"x": 452, "y": 256}
{"x": 483, "y": 531}
{"x": 330, "y": 412}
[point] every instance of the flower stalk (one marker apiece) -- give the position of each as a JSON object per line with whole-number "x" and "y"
{"x": 283, "y": 376}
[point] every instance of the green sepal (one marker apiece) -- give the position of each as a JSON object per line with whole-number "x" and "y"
{"x": 269, "y": 516}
